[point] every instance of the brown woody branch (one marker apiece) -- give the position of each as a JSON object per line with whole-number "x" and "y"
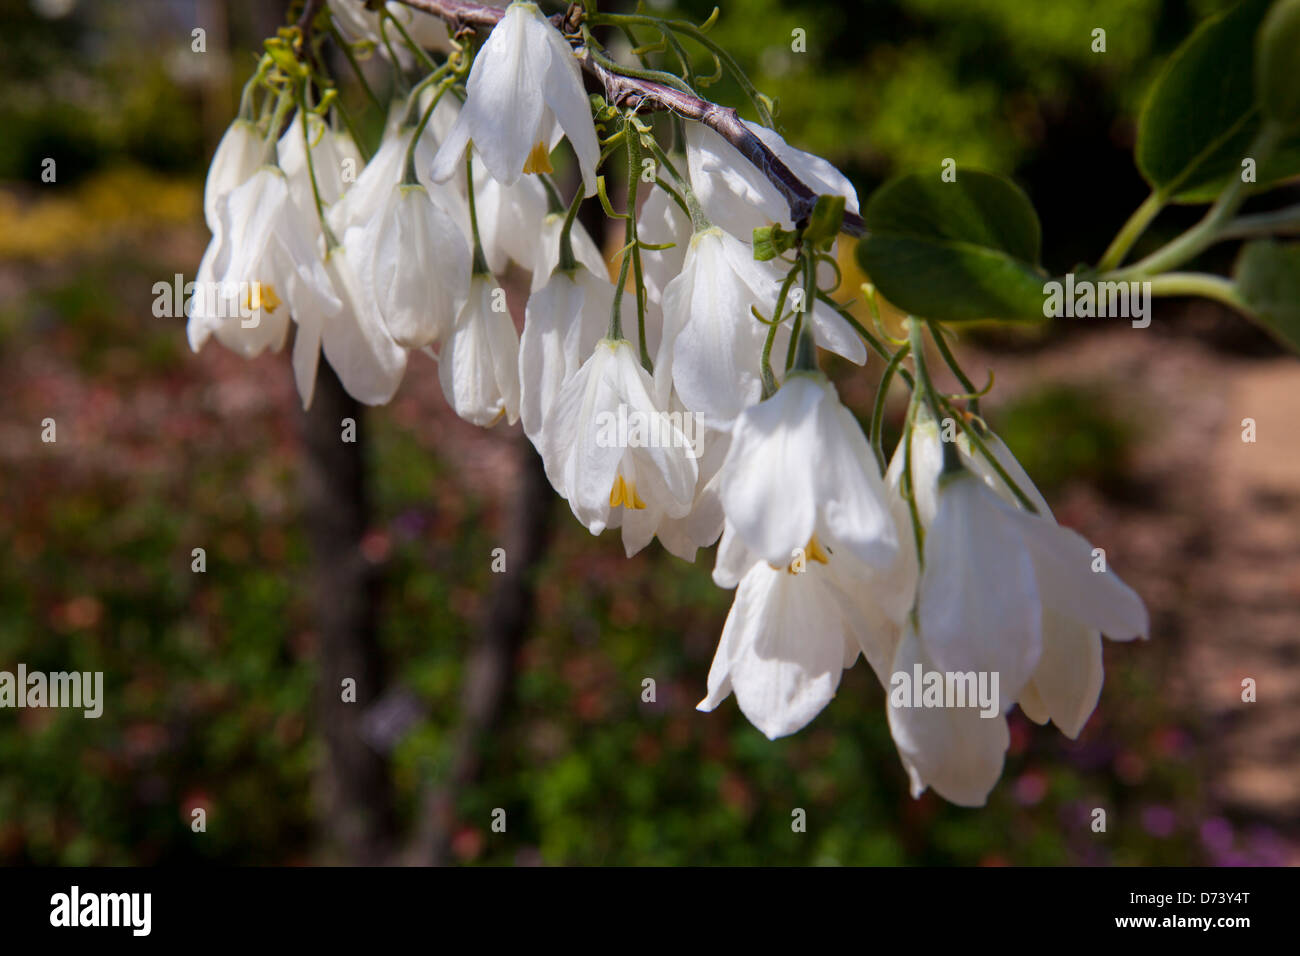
{"x": 309, "y": 11}
{"x": 648, "y": 95}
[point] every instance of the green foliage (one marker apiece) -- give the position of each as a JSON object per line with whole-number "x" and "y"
{"x": 1088, "y": 441}
{"x": 1276, "y": 77}
{"x": 954, "y": 251}
{"x": 78, "y": 89}
{"x": 824, "y": 223}
{"x": 1268, "y": 279}
{"x": 1202, "y": 114}
{"x": 888, "y": 85}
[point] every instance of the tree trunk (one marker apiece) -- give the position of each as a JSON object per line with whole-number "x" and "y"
{"x": 489, "y": 675}
{"x": 354, "y": 788}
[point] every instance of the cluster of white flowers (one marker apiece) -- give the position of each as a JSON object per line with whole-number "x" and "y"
{"x": 938, "y": 562}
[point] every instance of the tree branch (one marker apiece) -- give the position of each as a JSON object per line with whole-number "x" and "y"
{"x": 647, "y": 95}
{"x": 309, "y": 11}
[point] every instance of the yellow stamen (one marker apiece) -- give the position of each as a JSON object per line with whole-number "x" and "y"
{"x": 813, "y": 551}
{"x": 539, "y": 159}
{"x": 816, "y": 551}
{"x": 261, "y": 295}
{"x": 624, "y": 493}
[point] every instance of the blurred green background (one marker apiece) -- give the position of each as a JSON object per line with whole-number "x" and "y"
{"x": 209, "y": 676}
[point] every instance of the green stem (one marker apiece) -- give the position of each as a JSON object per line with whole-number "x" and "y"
{"x": 356, "y": 67}
{"x": 418, "y": 50}
{"x": 568, "y": 263}
{"x": 631, "y": 141}
{"x": 392, "y": 55}
{"x": 1279, "y": 221}
{"x": 246, "y": 95}
{"x": 1206, "y": 232}
{"x": 802, "y": 354}
{"x": 687, "y": 199}
{"x": 1203, "y": 284}
{"x": 878, "y": 410}
{"x": 409, "y": 177}
{"x": 916, "y": 327}
{"x": 1131, "y": 231}
{"x": 653, "y": 76}
{"x": 982, "y": 447}
{"x": 676, "y": 196}
{"x": 956, "y": 369}
{"x": 765, "y": 364}
{"x": 270, "y": 150}
{"x": 305, "y": 116}
{"x": 909, "y": 482}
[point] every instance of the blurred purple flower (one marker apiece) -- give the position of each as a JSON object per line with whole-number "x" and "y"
{"x": 1217, "y": 835}
{"x": 409, "y": 524}
{"x": 1030, "y": 788}
{"x": 1158, "y": 820}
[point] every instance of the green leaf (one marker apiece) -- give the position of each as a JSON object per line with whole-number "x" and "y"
{"x": 1268, "y": 280}
{"x": 955, "y": 251}
{"x": 1202, "y": 116}
{"x": 1276, "y": 77}
{"x": 824, "y": 223}
{"x": 772, "y": 241}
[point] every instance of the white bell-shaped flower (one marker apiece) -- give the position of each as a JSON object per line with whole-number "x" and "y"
{"x": 608, "y": 444}
{"x": 782, "y": 649}
{"x": 420, "y": 267}
{"x": 685, "y": 534}
{"x": 546, "y": 250}
{"x": 992, "y": 571}
{"x": 713, "y": 344}
{"x": 369, "y": 364}
{"x": 265, "y": 264}
{"x": 1067, "y": 683}
{"x": 362, "y": 352}
{"x": 736, "y": 196}
{"x": 333, "y": 163}
{"x": 978, "y": 598}
{"x": 957, "y": 750}
{"x": 365, "y": 198}
{"x": 792, "y": 630}
{"x": 509, "y": 218}
{"x": 662, "y": 221}
{"x": 1079, "y": 597}
{"x": 238, "y": 156}
{"x": 247, "y": 325}
{"x": 478, "y": 366}
{"x": 799, "y": 468}
{"x": 523, "y": 95}
{"x": 563, "y": 321}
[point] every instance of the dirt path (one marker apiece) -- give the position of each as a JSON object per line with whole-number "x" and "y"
{"x": 1248, "y": 620}
{"x": 1211, "y": 539}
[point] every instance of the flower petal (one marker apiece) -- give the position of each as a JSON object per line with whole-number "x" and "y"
{"x": 978, "y": 602}
{"x": 954, "y": 750}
